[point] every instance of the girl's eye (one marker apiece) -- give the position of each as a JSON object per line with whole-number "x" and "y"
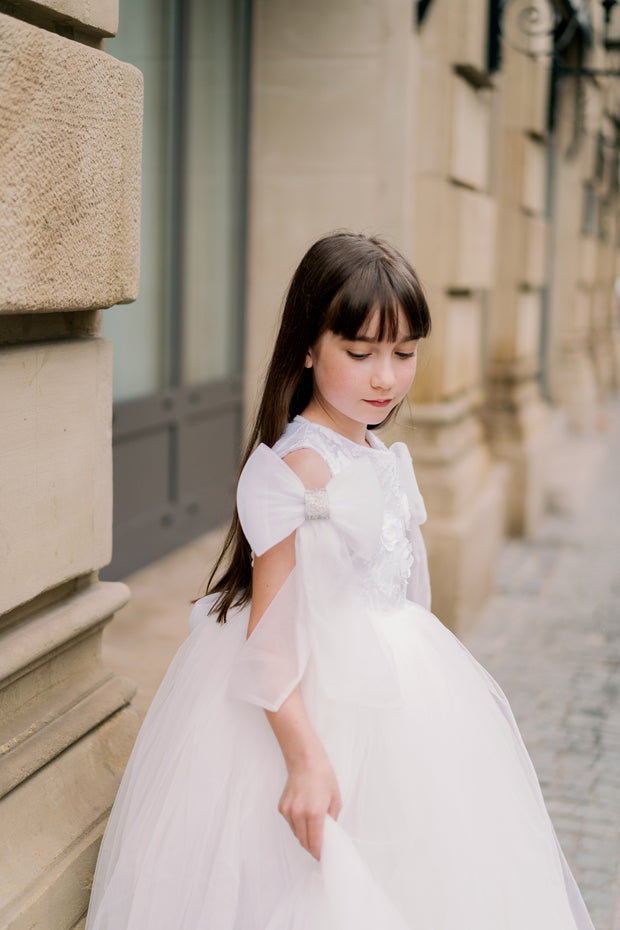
{"x": 405, "y": 354}
{"x": 356, "y": 354}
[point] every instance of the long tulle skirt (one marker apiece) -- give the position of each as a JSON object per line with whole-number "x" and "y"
{"x": 443, "y": 825}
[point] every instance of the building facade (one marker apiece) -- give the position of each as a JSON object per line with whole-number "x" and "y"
{"x": 488, "y": 153}
{"x": 70, "y": 142}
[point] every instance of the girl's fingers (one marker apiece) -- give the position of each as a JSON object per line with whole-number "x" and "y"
{"x": 334, "y": 808}
{"x": 300, "y": 830}
{"x": 315, "y": 836}
{"x": 309, "y": 832}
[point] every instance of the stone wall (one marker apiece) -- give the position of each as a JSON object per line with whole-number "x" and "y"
{"x": 457, "y": 225}
{"x": 514, "y": 412}
{"x": 583, "y": 265}
{"x": 332, "y": 124}
{"x": 359, "y": 122}
{"x": 363, "y": 120}
{"x": 70, "y": 142}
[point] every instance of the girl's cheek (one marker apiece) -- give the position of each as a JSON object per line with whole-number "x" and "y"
{"x": 409, "y": 379}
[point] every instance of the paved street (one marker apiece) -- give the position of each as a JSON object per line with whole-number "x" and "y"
{"x": 551, "y": 636}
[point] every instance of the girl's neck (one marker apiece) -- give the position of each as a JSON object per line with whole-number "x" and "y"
{"x": 350, "y": 429}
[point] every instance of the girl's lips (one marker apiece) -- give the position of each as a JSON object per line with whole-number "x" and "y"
{"x": 380, "y": 403}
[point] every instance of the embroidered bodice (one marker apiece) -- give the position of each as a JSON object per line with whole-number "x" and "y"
{"x": 385, "y": 576}
{"x": 359, "y": 554}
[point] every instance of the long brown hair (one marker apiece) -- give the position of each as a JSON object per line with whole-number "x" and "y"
{"x": 340, "y": 280}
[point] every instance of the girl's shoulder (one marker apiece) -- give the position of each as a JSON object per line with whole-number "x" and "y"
{"x": 309, "y": 466}
{"x": 299, "y": 434}
{"x": 336, "y": 451}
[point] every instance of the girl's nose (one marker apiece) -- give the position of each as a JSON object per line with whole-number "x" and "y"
{"x": 383, "y": 375}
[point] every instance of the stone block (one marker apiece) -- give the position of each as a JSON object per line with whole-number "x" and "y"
{"x": 511, "y": 169}
{"x": 319, "y": 28}
{"x": 53, "y": 689}
{"x": 534, "y": 191}
{"x": 525, "y": 93}
{"x": 70, "y": 135}
{"x": 434, "y": 224}
{"x": 582, "y": 314}
{"x": 537, "y": 100}
{"x": 97, "y": 16}
{"x": 463, "y": 345}
{"x": 463, "y": 551}
{"x": 468, "y": 19}
{"x": 519, "y": 438}
{"x": 473, "y": 240}
{"x": 51, "y": 827}
{"x": 528, "y": 323}
{"x": 600, "y": 307}
{"x": 56, "y": 464}
{"x": 470, "y": 142}
{"x": 326, "y": 122}
{"x": 451, "y": 484}
{"x": 587, "y": 259}
{"x": 436, "y": 84}
{"x": 447, "y": 444}
{"x": 574, "y": 386}
{"x": 456, "y": 32}
{"x": 65, "y": 736}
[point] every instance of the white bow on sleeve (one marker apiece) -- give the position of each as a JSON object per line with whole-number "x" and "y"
{"x": 272, "y": 502}
{"x": 320, "y": 613}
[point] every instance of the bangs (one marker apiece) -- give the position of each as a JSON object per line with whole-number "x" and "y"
{"x": 378, "y": 287}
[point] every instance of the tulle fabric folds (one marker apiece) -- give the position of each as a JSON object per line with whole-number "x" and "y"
{"x": 443, "y": 823}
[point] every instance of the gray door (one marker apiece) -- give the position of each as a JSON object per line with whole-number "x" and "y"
{"x": 178, "y": 348}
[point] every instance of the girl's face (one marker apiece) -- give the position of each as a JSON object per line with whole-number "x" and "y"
{"x": 358, "y": 382}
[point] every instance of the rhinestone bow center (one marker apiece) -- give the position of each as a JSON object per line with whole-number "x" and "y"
{"x": 317, "y": 504}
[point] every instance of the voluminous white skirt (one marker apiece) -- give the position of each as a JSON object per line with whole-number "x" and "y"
{"x": 443, "y": 825}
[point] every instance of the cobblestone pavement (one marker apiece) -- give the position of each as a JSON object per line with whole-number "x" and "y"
{"x": 551, "y": 636}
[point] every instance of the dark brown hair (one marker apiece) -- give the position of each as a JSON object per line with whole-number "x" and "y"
{"x": 340, "y": 281}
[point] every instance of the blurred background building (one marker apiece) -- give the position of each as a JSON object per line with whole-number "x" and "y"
{"x": 481, "y": 137}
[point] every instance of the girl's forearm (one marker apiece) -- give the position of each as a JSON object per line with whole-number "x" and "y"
{"x": 295, "y": 734}
{"x": 311, "y": 789}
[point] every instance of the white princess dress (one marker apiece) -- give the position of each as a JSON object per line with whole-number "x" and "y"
{"x": 443, "y": 825}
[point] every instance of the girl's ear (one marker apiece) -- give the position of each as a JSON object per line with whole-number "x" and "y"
{"x": 308, "y": 361}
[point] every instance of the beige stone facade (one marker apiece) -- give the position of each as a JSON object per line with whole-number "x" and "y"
{"x": 379, "y": 126}
{"x": 69, "y": 243}
{"x": 361, "y": 119}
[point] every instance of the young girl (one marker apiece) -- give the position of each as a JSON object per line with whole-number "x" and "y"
{"x": 323, "y": 753}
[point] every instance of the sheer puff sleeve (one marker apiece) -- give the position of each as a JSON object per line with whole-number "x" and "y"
{"x": 319, "y": 613}
{"x": 419, "y": 588}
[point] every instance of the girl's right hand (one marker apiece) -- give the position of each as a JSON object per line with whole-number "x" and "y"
{"x": 311, "y": 792}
